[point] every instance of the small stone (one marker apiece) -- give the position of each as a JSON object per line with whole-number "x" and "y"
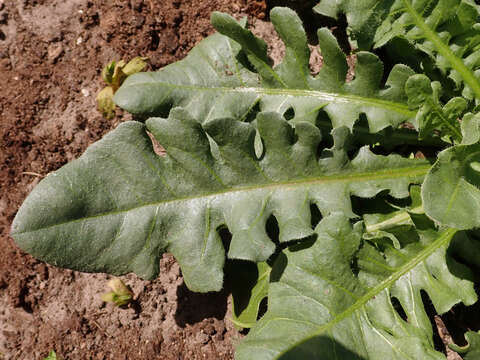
{"x": 54, "y": 52}
{"x": 79, "y": 40}
{"x": 85, "y": 92}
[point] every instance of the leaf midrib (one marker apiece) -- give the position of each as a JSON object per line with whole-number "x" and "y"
{"x": 442, "y": 240}
{"x": 401, "y": 172}
{"x": 323, "y": 95}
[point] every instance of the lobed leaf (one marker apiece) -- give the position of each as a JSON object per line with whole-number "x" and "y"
{"x": 344, "y": 298}
{"x": 120, "y": 205}
{"x": 363, "y": 17}
{"x": 231, "y": 76}
{"x": 446, "y": 30}
{"x": 432, "y": 115}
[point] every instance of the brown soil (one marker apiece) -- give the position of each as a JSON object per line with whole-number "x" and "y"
{"x": 51, "y": 55}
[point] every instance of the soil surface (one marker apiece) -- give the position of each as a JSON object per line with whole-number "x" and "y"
{"x": 51, "y": 56}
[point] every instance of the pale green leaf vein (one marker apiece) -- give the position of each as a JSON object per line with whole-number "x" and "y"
{"x": 381, "y": 174}
{"x": 443, "y": 239}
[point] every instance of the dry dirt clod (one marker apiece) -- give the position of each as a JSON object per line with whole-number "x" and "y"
{"x": 54, "y": 52}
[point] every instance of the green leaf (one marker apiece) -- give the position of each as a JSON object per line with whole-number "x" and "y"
{"x": 120, "y": 205}
{"x": 450, "y": 191}
{"x": 378, "y": 226}
{"x": 107, "y": 72}
{"x": 232, "y": 77}
{"x": 51, "y": 356}
{"x": 470, "y": 129}
{"x": 446, "y": 30}
{"x": 451, "y": 37}
{"x": 424, "y": 95}
{"x": 343, "y": 298}
{"x": 249, "y": 288}
{"x": 363, "y": 17}
{"x": 472, "y": 350}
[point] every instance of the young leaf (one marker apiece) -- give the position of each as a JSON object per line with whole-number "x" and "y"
{"x": 135, "y": 65}
{"x": 217, "y": 80}
{"x": 120, "y": 205}
{"x": 114, "y": 74}
{"x": 320, "y": 307}
{"x": 108, "y": 71}
{"x": 424, "y": 95}
{"x": 120, "y": 295}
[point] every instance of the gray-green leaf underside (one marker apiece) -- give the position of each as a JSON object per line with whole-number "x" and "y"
{"x": 119, "y": 206}
{"x": 340, "y": 298}
{"x": 446, "y": 30}
{"x": 231, "y": 76}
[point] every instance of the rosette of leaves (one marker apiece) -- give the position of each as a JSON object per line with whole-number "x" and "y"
{"x": 245, "y": 143}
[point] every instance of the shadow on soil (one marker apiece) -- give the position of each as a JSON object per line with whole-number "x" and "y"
{"x": 194, "y": 307}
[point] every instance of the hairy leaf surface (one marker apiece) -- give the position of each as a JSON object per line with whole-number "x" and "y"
{"x": 231, "y": 76}
{"x": 344, "y": 298}
{"x": 120, "y": 205}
